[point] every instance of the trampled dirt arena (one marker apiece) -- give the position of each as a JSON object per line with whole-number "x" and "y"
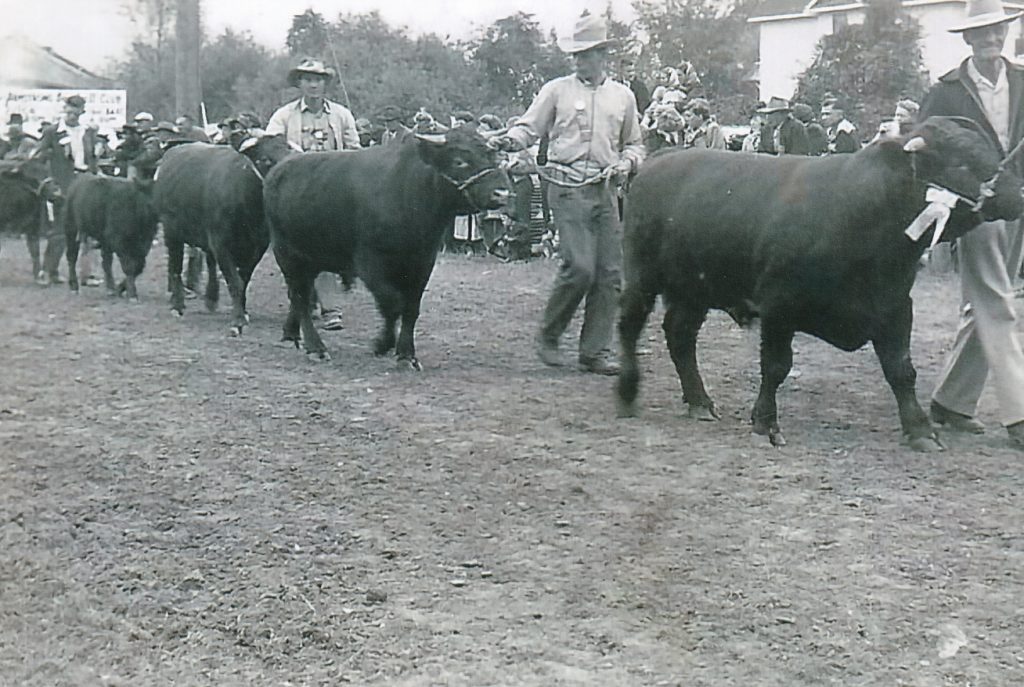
{"x": 183, "y": 508}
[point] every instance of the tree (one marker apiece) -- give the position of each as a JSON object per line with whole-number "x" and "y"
{"x": 187, "y": 39}
{"x": 714, "y": 36}
{"x": 868, "y": 66}
{"x": 230, "y": 65}
{"x": 308, "y": 34}
{"x": 516, "y": 60}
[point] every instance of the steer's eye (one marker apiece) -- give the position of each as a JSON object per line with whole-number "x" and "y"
{"x": 459, "y": 163}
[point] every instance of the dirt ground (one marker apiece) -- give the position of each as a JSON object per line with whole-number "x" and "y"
{"x": 182, "y": 508}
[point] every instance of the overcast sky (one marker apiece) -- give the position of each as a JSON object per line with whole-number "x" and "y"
{"x": 92, "y": 32}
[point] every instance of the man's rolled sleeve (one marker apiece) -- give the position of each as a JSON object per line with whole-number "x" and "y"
{"x": 537, "y": 120}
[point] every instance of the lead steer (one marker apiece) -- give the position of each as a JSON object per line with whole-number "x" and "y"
{"x": 119, "y": 214}
{"x": 808, "y": 245}
{"x": 378, "y": 213}
{"x": 211, "y": 197}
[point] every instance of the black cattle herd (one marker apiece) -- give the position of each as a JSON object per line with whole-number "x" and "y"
{"x": 818, "y": 245}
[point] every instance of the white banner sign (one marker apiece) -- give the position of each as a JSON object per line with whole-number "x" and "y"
{"x": 106, "y": 110}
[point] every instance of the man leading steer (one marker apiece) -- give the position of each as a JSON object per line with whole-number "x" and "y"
{"x": 985, "y": 88}
{"x": 595, "y": 141}
{"x": 314, "y": 123}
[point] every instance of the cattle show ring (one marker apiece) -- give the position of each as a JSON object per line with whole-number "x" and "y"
{"x": 275, "y": 412}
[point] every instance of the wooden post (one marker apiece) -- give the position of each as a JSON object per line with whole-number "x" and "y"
{"x": 187, "y": 85}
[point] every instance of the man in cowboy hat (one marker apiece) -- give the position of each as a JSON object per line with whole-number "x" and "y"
{"x": 783, "y": 134}
{"x": 395, "y": 129}
{"x": 988, "y": 89}
{"x": 595, "y": 140}
{"x": 314, "y": 123}
{"x": 19, "y": 143}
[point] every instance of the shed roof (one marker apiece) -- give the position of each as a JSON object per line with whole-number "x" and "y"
{"x": 25, "y": 64}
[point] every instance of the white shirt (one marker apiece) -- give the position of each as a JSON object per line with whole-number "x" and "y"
{"x": 76, "y": 139}
{"x": 995, "y": 100}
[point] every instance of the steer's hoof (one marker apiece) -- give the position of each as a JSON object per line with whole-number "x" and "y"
{"x": 320, "y": 355}
{"x": 624, "y": 409}
{"x": 235, "y": 331}
{"x": 702, "y": 413}
{"x": 928, "y": 444}
{"x": 409, "y": 365}
{"x": 775, "y": 436}
{"x": 177, "y": 313}
{"x": 134, "y": 300}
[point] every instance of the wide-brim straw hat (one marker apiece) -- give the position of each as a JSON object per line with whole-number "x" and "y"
{"x": 982, "y": 13}
{"x": 775, "y": 104}
{"x": 310, "y": 66}
{"x": 591, "y": 31}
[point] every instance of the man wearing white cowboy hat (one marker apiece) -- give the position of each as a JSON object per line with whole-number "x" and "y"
{"x": 314, "y": 123}
{"x": 988, "y": 89}
{"x": 594, "y": 138}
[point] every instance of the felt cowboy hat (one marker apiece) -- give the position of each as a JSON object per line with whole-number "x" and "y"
{"x": 981, "y": 13}
{"x": 590, "y": 32}
{"x": 775, "y": 104}
{"x": 16, "y": 118}
{"x": 391, "y": 113}
{"x": 310, "y": 66}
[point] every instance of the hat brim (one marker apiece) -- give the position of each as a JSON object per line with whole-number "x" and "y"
{"x": 769, "y": 110}
{"x": 571, "y": 47}
{"x": 293, "y": 75}
{"x": 983, "y": 20}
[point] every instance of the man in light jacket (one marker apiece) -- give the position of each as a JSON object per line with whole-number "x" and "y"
{"x": 314, "y": 123}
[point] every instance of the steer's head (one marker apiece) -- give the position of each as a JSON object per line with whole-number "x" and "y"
{"x": 955, "y": 154}
{"x": 463, "y": 159}
{"x": 266, "y": 151}
{"x": 30, "y": 174}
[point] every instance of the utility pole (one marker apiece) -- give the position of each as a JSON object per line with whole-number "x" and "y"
{"x": 187, "y": 89}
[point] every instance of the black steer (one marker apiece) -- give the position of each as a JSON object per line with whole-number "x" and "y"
{"x": 808, "y": 245}
{"x": 379, "y": 214}
{"x": 211, "y": 197}
{"x": 119, "y": 215}
{"x": 25, "y": 187}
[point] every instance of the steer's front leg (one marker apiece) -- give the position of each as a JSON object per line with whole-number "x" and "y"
{"x": 776, "y": 362}
{"x": 892, "y": 346}
{"x": 405, "y": 349}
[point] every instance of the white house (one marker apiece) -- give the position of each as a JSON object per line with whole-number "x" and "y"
{"x": 789, "y": 30}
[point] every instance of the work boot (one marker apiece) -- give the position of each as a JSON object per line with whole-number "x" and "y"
{"x": 602, "y": 364}
{"x": 952, "y": 420}
{"x": 548, "y": 352}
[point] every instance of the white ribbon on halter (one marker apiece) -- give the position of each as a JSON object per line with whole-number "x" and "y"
{"x": 940, "y": 203}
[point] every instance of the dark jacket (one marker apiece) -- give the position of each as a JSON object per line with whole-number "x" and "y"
{"x": 956, "y": 95}
{"x": 843, "y": 141}
{"x": 817, "y": 139}
{"x": 54, "y": 148}
{"x": 792, "y": 137}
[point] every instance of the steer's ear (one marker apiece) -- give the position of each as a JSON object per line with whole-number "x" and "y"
{"x": 915, "y": 145}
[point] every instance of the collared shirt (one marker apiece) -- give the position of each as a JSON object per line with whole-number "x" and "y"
{"x": 335, "y": 124}
{"x": 316, "y": 127}
{"x": 995, "y": 100}
{"x": 591, "y": 127}
{"x": 76, "y": 142}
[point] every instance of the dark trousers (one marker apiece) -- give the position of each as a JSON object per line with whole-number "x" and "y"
{"x": 55, "y": 242}
{"x": 590, "y": 245}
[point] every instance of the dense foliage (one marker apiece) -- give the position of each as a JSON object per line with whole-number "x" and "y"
{"x": 868, "y": 66}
